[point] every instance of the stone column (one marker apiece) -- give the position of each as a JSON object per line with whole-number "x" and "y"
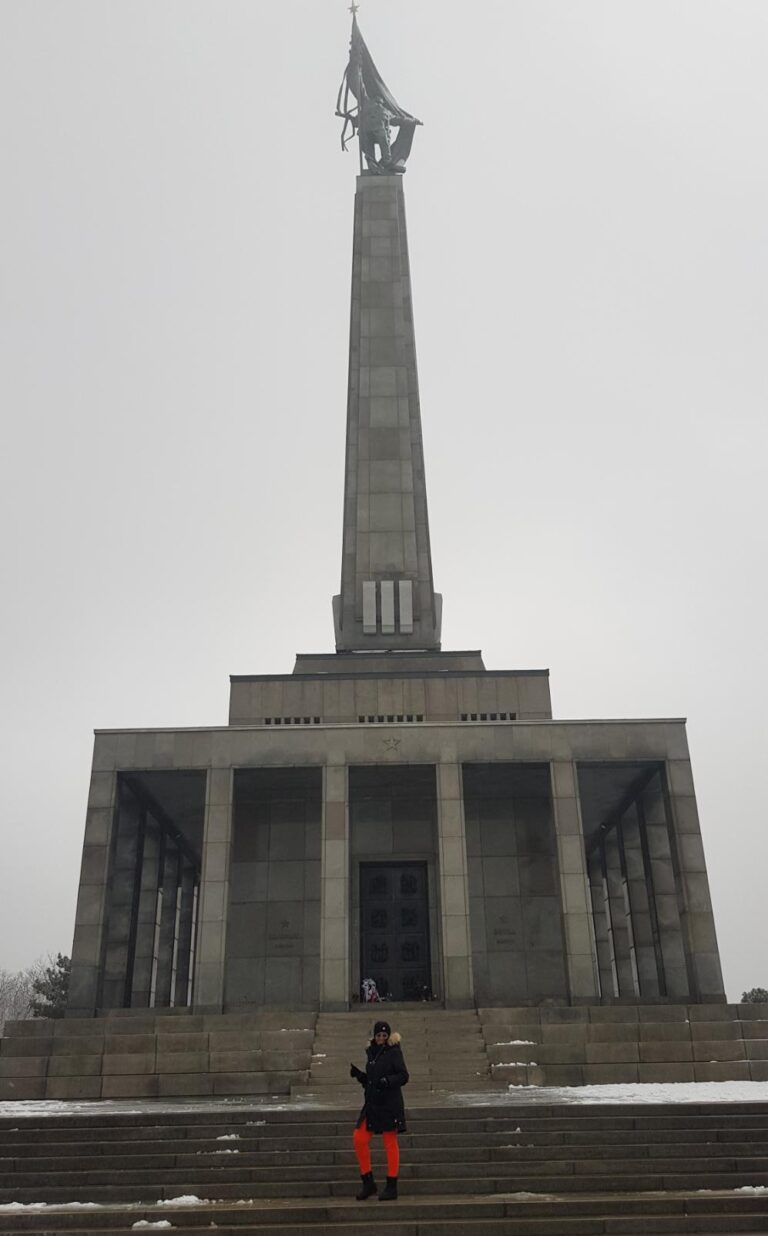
{"x": 186, "y": 929}
{"x": 653, "y": 810}
{"x": 335, "y": 977}
{"x": 123, "y": 902}
{"x": 581, "y": 963}
{"x": 167, "y": 932}
{"x": 214, "y": 892}
{"x": 145, "y": 928}
{"x": 621, "y": 921}
{"x": 454, "y": 888}
{"x": 696, "y": 917}
{"x": 91, "y": 912}
{"x": 641, "y": 906}
{"x": 602, "y": 924}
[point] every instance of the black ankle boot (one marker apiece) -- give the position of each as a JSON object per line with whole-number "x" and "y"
{"x": 389, "y": 1192}
{"x": 367, "y": 1188}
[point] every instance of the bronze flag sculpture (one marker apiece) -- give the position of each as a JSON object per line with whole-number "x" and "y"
{"x": 369, "y": 109}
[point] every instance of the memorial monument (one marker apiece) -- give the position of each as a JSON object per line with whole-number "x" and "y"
{"x": 391, "y": 811}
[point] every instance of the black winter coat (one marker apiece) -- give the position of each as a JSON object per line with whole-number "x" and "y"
{"x": 383, "y": 1110}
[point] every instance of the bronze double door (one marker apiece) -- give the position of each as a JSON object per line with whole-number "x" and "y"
{"x": 394, "y": 920}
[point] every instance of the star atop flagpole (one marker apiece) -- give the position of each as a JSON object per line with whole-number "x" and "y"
{"x": 355, "y": 9}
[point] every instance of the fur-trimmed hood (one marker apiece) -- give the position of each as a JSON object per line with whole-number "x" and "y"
{"x": 394, "y": 1040}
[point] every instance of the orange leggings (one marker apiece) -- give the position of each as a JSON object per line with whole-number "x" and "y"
{"x": 361, "y": 1140}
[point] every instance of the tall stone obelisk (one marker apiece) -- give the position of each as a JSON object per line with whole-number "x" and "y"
{"x": 387, "y": 592}
{"x": 387, "y": 597}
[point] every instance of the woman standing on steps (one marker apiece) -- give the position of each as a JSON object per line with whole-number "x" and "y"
{"x": 383, "y": 1110}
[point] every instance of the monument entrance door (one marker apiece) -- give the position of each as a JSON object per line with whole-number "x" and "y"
{"x": 394, "y": 918}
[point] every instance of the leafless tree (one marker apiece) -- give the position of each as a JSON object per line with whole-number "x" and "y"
{"x": 15, "y": 995}
{"x": 17, "y": 991}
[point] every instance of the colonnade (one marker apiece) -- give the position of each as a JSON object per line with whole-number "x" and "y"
{"x": 152, "y": 910}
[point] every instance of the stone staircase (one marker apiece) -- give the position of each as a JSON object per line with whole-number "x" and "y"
{"x": 135, "y": 1054}
{"x": 500, "y": 1170}
{"x": 444, "y": 1052}
{"x": 176, "y": 1053}
{"x": 600, "y": 1045}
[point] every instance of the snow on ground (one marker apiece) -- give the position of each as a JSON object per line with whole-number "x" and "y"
{"x": 515, "y": 1064}
{"x": 645, "y": 1092}
{"x": 121, "y": 1107}
{"x": 186, "y": 1199}
{"x": 668, "y": 1092}
{"x": 524, "y": 1196}
{"x": 11, "y": 1207}
{"x": 216, "y": 1205}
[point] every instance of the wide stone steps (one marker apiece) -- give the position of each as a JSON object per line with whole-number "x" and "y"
{"x": 284, "y": 1184}
{"x": 471, "y": 1148}
{"x": 576, "y": 1176}
{"x": 444, "y": 1050}
{"x": 156, "y": 1157}
{"x": 676, "y": 1215}
{"x": 519, "y": 1169}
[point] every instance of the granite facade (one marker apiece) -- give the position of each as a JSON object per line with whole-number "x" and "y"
{"x": 272, "y": 954}
{"x": 518, "y": 952}
{"x": 507, "y": 828}
{"x": 329, "y": 696}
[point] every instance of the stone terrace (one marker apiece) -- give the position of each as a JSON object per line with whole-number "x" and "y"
{"x": 169, "y": 1054}
{"x": 156, "y": 1055}
{"x": 599, "y": 1045}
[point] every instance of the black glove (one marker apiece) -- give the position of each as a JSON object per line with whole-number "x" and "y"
{"x": 382, "y": 1083}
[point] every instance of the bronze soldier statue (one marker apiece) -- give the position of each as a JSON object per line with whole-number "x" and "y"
{"x": 376, "y": 113}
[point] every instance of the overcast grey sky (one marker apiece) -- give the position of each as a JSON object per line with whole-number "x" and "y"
{"x": 587, "y": 211}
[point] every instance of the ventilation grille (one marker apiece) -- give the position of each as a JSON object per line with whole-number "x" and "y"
{"x": 489, "y": 716}
{"x": 291, "y": 721}
{"x": 388, "y": 719}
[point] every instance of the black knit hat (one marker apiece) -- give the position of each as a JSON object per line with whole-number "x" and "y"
{"x": 382, "y": 1026}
